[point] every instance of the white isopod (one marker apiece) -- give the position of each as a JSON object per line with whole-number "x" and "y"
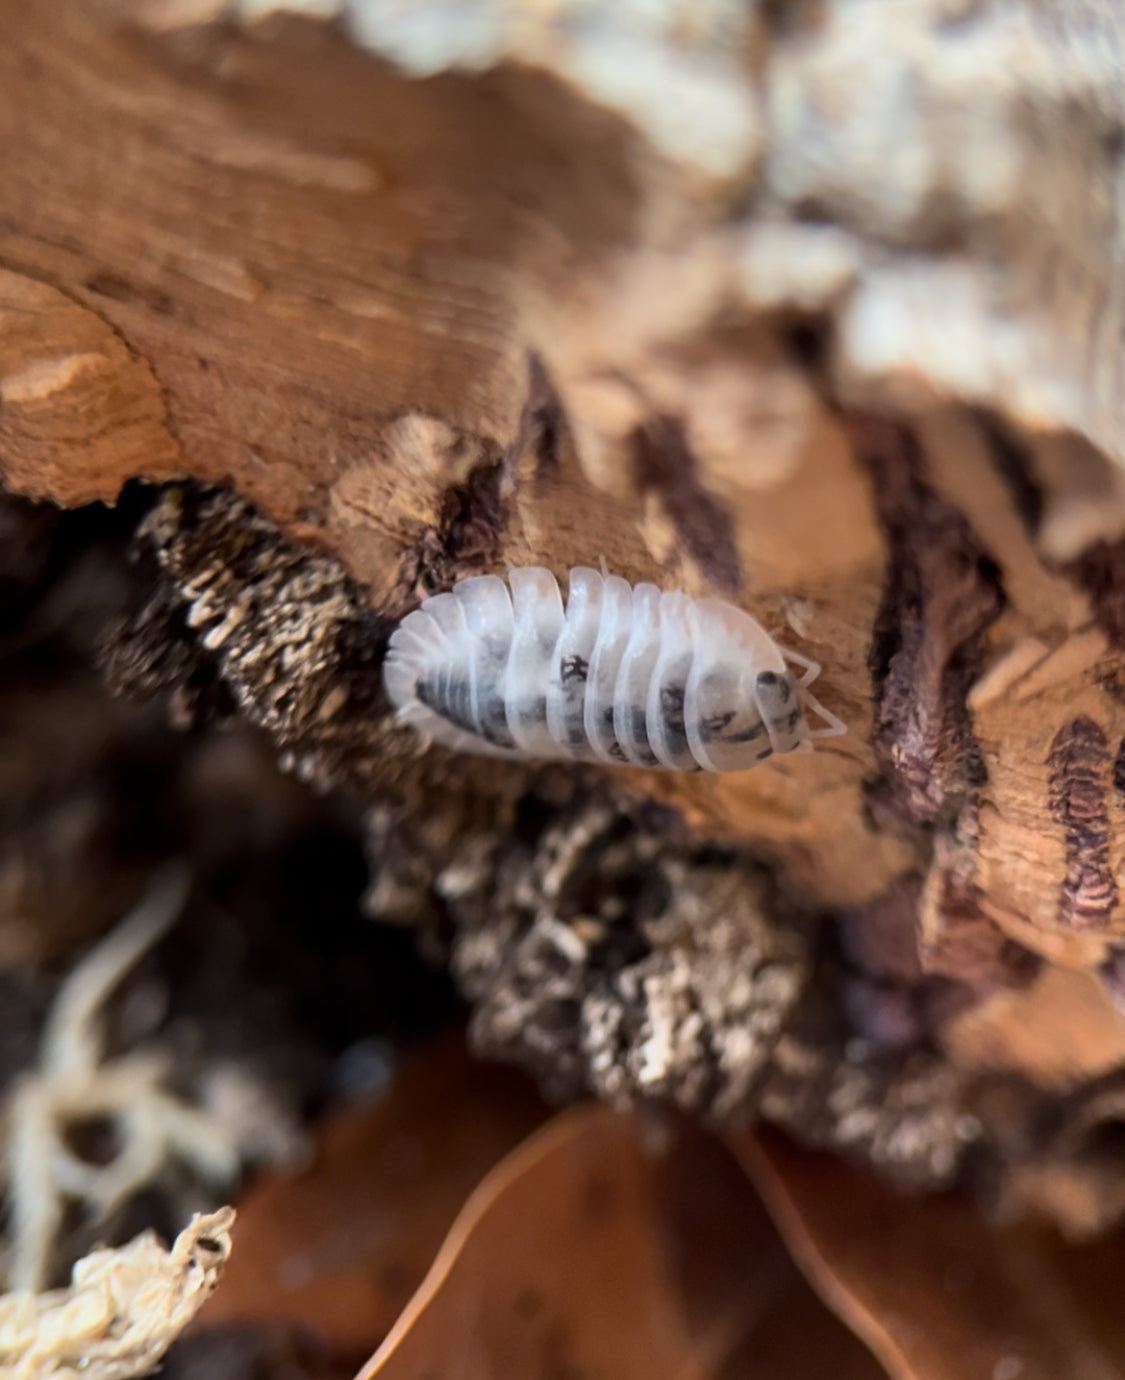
{"x": 626, "y": 674}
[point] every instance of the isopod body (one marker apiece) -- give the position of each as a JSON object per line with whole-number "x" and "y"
{"x": 624, "y": 673}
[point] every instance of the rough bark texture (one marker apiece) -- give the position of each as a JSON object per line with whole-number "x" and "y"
{"x": 814, "y": 306}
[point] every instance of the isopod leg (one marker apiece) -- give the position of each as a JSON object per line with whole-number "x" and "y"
{"x": 834, "y": 726}
{"x": 811, "y": 668}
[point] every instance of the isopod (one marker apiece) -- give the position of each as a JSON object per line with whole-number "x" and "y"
{"x": 626, "y": 674}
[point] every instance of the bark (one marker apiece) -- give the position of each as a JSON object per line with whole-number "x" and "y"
{"x": 817, "y": 307}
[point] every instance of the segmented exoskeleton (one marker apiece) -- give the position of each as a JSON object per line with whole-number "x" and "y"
{"x": 626, "y": 673}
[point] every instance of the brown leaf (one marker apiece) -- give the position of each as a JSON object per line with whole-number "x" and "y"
{"x": 934, "y": 1290}
{"x": 340, "y": 1247}
{"x": 603, "y": 1247}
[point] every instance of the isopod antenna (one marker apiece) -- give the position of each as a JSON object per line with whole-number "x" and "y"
{"x": 833, "y": 726}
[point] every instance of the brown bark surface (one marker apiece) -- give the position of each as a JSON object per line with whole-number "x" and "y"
{"x": 431, "y": 320}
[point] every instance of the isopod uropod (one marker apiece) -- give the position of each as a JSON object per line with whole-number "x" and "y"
{"x": 625, "y": 674}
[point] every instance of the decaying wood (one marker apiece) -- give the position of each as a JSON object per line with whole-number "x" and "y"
{"x": 819, "y": 310}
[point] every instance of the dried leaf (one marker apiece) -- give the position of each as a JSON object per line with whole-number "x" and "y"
{"x": 934, "y": 1290}
{"x": 596, "y": 1249}
{"x": 340, "y": 1247}
{"x": 123, "y": 1309}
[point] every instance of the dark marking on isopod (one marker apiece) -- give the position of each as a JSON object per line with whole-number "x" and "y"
{"x": 494, "y": 723}
{"x": 672, "y": 718}
{"x": 639, "y": 725}
{"x": 666, "y": 466}
{"x": 770, "y": 681}
{"x": 452, "y": 701}
{"x": 746, "y": 735}
{"x": 534, "y": 712}
{"x": 773, "y": 692}
{"x": 711, "y": 728}
{"x": 1119, "y": 768}
{"x": 1077, "y": 760}
{"x": 574, "y": 668}
{"x": 672, "y": 703}
{"x": 437, "y": 697}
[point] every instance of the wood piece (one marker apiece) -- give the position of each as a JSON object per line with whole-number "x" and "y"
{"x": 437, "y": 299}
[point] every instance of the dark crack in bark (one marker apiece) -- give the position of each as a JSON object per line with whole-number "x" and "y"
{"x": 665, "y": 466}
{"x": 923, "y": 951}
{"x": 543, "y": 429}
{"x": 1100, "y": 571}
{"x": 466, "y": 540}
{"x": 941, "y": 593}
{"x": 1014, "y": 463}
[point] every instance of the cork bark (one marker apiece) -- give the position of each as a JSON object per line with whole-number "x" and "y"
{"x": 819, "y": 311}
